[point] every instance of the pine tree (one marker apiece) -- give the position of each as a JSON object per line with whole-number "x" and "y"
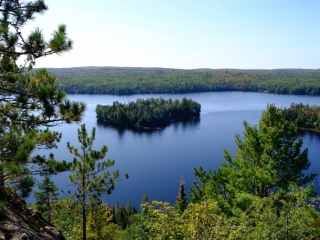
{"x": 122, "y": 217}
{"x": 46, "y": 197}
{"x": 29, "y": 101}
{"x": 90, "y": 176}
{"x": 129, "y": 208}
{"x": 182, "y": 201}
{"x": 145, "y": 199}
{"x": 268, "y": 158}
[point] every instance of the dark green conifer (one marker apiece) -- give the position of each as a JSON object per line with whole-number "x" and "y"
{"x": 144, "y": 200}
{"x": 89, "y": 175}
{"x": 269, "y": 157}
{"x": 182, "y": 201}
{"x": 29, "y": 101}
{"x": 46, "y": 196}
{"x": 129, "y": 208}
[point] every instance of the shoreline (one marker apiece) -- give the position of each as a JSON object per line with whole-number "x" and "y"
{"x": 147, "y": 128}
{"x": 308, "y": 129}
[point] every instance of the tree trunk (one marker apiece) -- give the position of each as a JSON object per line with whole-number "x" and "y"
{"x": 84, "y": 217}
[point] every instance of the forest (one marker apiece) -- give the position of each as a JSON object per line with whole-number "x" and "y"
{"x": 304, "y": 116}
{"x": 147, "y": 113}
{"x": 263, "y": 192}
{"x": 125, "y": 81}
{"x": 260, "y": 193}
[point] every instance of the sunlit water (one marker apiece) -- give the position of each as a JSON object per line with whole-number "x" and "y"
{"x": 157, "y": 160}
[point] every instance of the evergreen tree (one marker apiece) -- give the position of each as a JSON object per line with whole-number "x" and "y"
{"x": 29, "y": 102}
{"x": 145, "y": 199}
{"x": 129, "y": 208}
{"x": 90, "y": 176}
{"x": 268, "y": 158}
{"x": 122, "y": 217}
{"x": 46, "y": 197}
{"x": 182, "y": 201}
{"x": 135, "y": 210}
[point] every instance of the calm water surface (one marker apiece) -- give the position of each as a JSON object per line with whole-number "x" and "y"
{"x": 157, "y": 160}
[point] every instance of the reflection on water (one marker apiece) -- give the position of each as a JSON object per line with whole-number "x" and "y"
{"x": 190, "y": 122}
{"x": 156, "y": 160}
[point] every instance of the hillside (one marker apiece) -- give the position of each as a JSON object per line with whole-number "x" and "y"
{"x": 126, "y": 80}
{"x": 17, "y": 221}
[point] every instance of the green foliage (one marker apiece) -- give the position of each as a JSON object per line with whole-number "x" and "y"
{"x": 148, "y": 113}
{"x": 182, "y": 201}
{"x": 145, "y": 199}
{"x": 255, "y": 195}
{"x": 303, "y": 116}
{"x": 29, "y": 101}
{"x": 129, "y": 208}
{"x": 268, "y": 158}
{"x": 90, "y": 176}
{"x": 46, "y": 197}
{"x": 122, "y": 217}
{"x": 124, "y": 81}
{"x": 2, "y": 204}
{"x": 99, "y": 218}
{"x": 161, "y": 221}
{"x": 296, "y": 219}
{"x": 67, "y": 217}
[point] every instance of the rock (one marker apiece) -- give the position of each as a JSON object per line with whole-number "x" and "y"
{"x": 19, "y": 222}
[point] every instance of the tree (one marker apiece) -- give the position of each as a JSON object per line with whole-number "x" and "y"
{"x": 90, "y": 176}
{"x": 129, "y": 208}
{"x": 268, "y": 158}
{"x": 161, "y": 221}
{"x": 182, "y": 201}
{"x": 144, "y": 200}
{"x": 99, "y": 216}
{"x": 122, "y": 218}
{"x": 297, "y": 218}
{"x": 29, "y": 101}
{"x": 46, "y": 197}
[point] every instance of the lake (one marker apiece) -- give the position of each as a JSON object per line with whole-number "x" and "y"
{"x": 157, "y": 160}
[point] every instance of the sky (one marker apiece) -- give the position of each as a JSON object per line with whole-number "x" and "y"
{"x": 185, "y": 34}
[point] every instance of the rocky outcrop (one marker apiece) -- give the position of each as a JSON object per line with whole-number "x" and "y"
{"x": 18, "y": 221}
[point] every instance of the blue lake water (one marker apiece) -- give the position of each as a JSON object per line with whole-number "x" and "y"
{"x": 157, "y": 160}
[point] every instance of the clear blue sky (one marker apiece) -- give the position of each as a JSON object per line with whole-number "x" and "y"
{"x": 186, "y": 34}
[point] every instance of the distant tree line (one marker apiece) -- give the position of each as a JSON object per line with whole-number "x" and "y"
{"x": 304, "y": 116}
{"x": 152, "y": 112}
{"x": 124, "y": 81}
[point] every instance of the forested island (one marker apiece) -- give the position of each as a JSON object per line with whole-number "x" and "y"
{"x": 125, "y": 80}
{"x": 148, "y": 113}
{"x": 304, "y": 116}
{"x": 264, "y": 191}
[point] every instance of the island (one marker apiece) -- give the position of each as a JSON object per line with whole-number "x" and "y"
{"x": 151, "y": 113}
{"x": 305, "y": 117}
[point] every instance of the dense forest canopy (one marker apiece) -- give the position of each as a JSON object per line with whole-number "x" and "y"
{"x": 125, "y": 80}
{"x": 304, "y": 116}
{"x": 152, "y": 112}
